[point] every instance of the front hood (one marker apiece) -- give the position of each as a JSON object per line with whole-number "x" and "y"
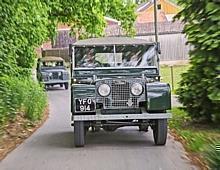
{"x": 110, "y": 72}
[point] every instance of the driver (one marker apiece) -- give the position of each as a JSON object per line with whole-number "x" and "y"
{"x": 89, "y": 60}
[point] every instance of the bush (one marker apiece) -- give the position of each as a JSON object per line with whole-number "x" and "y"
{"x": 20, "y": 95}
{"x": 199, "y": 88}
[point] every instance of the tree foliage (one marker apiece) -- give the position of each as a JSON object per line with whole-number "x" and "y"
{"x": 23, "y": 28}
{"x": 200, "y": 87}
{"x": 26, "y": 24}
{"x": 86, "y": 17}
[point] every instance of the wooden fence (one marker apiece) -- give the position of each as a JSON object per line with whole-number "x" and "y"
{"x": 173, "y": 46}
{"x": 171, "y": 38}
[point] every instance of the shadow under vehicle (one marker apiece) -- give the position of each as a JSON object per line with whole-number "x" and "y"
{"x": 52, "y": 71}
{"x": 115, "y": 82}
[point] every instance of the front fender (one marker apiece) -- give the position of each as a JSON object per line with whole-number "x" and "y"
{"x": 158, "y": 96}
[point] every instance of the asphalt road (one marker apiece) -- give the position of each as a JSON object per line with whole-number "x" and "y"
{"x": 51, "y": 147}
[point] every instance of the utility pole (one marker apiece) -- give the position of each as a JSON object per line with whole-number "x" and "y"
{"x": 155, "y": 21}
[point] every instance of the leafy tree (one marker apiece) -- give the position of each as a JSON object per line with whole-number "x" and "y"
{"x": 86, "y": 17}
{"x": 200, "y": 87}
{"x": 23, "y": 28}
{"x": 26, "y": 24}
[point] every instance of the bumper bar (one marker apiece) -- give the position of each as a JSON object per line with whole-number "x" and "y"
{"x": 122, "y": 116}
{"x": 55, "y": 82}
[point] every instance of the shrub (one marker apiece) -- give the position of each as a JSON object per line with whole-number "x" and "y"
{"x": 20, "y": 94}
{"x": 199, "y": 88}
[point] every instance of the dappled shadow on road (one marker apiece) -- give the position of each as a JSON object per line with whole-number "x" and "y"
{"x": 120, "y": 138}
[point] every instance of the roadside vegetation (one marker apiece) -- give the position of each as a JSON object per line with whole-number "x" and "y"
{"x": 21, "y": 95}
{"x": 200, "y": 140}
{"x": 21, "y": 32}
{"x": 199, "y": 88}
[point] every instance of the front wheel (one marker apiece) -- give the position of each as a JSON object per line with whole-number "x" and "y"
{"x": 66, "y": 85}
{"x": 79, "y": 134}
{"x": 160, "y": 131}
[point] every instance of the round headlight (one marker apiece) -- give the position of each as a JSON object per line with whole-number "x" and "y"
{"x": 50, "y": 74}
{"x": 137, "y": 89}
{"x": 104, "y": 90}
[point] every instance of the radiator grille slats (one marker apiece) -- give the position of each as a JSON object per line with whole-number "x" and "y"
{"x": 120, "y": 90}
{"x": 55, "y": 76}
{"x": 120, "y": 96}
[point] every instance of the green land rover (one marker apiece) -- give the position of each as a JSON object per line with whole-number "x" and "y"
{"x": 115, "y": 82}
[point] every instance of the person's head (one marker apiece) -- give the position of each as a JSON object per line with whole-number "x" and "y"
{"x": 90, "y": 56}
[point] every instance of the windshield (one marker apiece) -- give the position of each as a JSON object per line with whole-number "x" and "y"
{"x": 116, "y": 56}
{"x": 51, "y": 64}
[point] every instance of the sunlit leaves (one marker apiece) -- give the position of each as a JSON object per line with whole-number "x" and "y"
{"x": 86, "y": 17}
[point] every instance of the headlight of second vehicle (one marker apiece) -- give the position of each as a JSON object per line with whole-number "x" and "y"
{"x": 104, "y": 90}
{"x": 137, "y": 89}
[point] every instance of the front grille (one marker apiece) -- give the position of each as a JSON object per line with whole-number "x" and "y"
{"x": 55, "y": 75}
{"x": 120, "y": 90}
{"x": 120, "y": 96}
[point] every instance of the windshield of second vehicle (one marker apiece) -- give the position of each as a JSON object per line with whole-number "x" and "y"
{"x": 52, "y": 63}
{"x": 118, "y": 56}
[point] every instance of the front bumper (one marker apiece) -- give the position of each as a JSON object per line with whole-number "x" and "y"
{"x": 55, "y": 82}
{"x": 143, "y": 115}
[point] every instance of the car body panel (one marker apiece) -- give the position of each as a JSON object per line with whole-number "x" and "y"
{"x": 158, "y": 96}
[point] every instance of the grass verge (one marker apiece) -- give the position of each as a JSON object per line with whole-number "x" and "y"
{"x": 166, "y": 75}
{"x": 200, "y": 140}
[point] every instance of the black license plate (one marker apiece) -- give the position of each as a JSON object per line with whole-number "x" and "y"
{"x": 85, "y": 105}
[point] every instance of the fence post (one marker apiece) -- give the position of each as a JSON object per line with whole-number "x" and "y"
{"x": 171, "y": 71}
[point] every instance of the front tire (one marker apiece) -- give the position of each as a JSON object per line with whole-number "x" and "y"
{"x": 160, "y": 131}
{"x": 66, "y": 85}
{"x": 79, "y": 134}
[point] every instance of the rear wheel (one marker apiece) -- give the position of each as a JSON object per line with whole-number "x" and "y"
{"x": 66, "y": 85}
{"x": 79, "y": 134}
{"x": 160, "y": 131}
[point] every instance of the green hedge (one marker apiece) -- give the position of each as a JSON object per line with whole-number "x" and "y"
{"x": 21, "y": 95}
